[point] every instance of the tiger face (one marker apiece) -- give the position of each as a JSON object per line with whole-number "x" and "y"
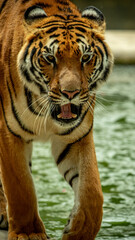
{"x": 64, "y": 60}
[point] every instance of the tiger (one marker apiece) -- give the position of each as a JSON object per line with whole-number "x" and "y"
{"x": 53, "y": 58}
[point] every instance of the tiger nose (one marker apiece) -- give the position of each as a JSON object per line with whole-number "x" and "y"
{"x": 70, "y": 94}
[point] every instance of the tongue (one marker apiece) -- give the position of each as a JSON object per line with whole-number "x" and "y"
{"x": 66, "y": 111}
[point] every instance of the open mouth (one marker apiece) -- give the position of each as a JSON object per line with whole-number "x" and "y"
{"x": 66, "y": 113}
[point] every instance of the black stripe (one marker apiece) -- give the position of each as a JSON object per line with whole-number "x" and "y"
{"x": 33, "y": 51}
{"x": 105, "y": 48}
{"x": 32, "y": 68}
{"x": 10, "y": 130}
{"x": 78, "y": 140}
{"x": 62, "y": 2}
{"x": 95, "y": 61}
{"x": 79, "y": 35}
{"x": 3, "y": 5}
{"x": 100, "y": 50}
{"x": 79, "y": 24}
{"x": 98, "y": 70}
{"x": 81, "y": 29}
{"x": 106, "y": 72}
{"x": 65, "y": 174}
{"x": 28, "y": 95}
{"x": 12, "y": 82}
{"x": 60, "y": 26}
{"x": 27, "y": 49}
{"x": 44, "y": 5}
{"x": 37, "y": 81}
{"x": 69, "y": 22}
{"x": 79, "y": 40}
{"x": 59, "y": 8}
{"x": 63, "y": 154}
{"x": 92, "y": 44}
{"x": 54, "y": 35}
{"x": 42, "y": 90}
{"x": 68, "y": 147}
{"x": 55, "y": 41}
{"x": 53, "y": 23}
{"x": 59, "y": 23}
{"x": 52, "y": 29}
{"x": 40, "y": 45}
{"x": 60, "y": 16}
{"x": 102, "y": 55}
{"x": 71, "y": 180}
{"x": 25, "y": 1}
{"x": 26, "y": 74}
{"x": 16, "y": 114}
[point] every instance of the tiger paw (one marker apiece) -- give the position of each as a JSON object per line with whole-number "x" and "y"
{"x": 23, "y": 236}
{"x": 34, "y": 230}
{"x": 82, "y": 225}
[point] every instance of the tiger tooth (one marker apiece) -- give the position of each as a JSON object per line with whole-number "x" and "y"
{"x": 74, "y": 115}
{"x": 59, "y": 115}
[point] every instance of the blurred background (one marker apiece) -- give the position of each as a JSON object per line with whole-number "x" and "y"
{"x": 119, "y": 14}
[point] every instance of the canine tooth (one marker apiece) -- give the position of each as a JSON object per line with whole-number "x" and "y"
{"x": 59, "y": 115}
{"x": 74, "y": 115}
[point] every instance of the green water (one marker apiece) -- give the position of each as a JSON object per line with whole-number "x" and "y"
{"x": 114, "y": 133}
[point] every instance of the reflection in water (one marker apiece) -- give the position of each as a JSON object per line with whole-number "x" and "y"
{"x": 114, "y": 139}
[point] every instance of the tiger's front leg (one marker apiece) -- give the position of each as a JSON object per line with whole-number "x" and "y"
{"x": 77, "y": 163}
{"x": 23, "y": 217}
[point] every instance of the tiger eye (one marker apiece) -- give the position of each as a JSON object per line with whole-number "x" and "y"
{"x": 86, "y": 58}
{"x": 50, "y": 58}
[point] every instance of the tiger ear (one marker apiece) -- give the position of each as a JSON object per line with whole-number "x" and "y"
{"x": 34, "y": 13}
{"x": 95, "y": 15}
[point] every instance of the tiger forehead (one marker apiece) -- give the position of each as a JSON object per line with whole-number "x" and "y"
{"x": 65, "y": 40}
{"x": 65, "y": 22}
{"x": 65, "y": 32}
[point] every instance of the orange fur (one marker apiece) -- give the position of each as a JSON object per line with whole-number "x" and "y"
{"x": 49, "y": 67}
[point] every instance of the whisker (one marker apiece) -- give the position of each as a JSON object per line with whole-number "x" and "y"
{"x": 99, "y": 104}
{"x": 45, "y": 101}
{"x": 90, "y": 108}
{"x": 107, "y": 100}
{"x": 38, "y": 107}
{"x": 45, "y": 117}
{"x": 44, "y": 122}
{"x": 32, "y": 104}
{"x": 101, "y": 92}
{"x": 46, "y": 113}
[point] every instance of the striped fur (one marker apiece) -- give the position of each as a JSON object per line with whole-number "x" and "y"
{"x": 52, "y": 60}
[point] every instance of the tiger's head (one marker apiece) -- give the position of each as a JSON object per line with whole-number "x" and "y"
{"x": 63, "y": 59}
